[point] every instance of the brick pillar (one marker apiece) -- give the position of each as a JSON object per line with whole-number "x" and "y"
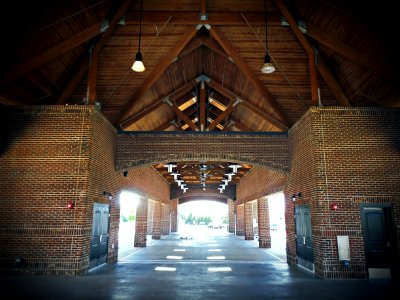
{"x": 231, "y": 216}
{"x": 248, "y": 221}
{"x": 240, "y": 220}
{"x": 264, "y": 234}
{"x": 141, "y": 223}
{"x": 165, "y": 219}
{"x": 150, "y": 214}
{"x": 174, "y": 215}
{"x": 156, "y": 234}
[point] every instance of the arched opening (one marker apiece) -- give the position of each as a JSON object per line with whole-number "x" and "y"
{"x": 202, "y": 218}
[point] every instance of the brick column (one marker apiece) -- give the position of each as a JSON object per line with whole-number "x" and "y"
{"x": 174, "y": 215}
{"x": 264, "y": 234}
{"x": 156, "y": 234}
{"x": 240, "y": 220}
{"x": 231, "y": 216}
{"x": 248, "y": 221}
{"x": 150, "y": 213}
{"x": 141, "y": 223}
{"x": 165, "y": 219}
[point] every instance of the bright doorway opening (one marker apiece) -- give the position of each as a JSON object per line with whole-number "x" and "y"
{"x": 126, "y": 235}
{"x": 202, "y": 218}
{"x": 276, "y": 204}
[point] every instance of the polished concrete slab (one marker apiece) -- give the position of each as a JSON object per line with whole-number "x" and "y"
{"x": 197, "y": 266}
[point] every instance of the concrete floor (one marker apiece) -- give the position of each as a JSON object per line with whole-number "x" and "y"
{"x": 218, "y": 266}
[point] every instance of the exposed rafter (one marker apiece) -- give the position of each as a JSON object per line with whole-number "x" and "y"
{"x": 50, "y": 54}
{"x": 226, "y": 45}
{"x": 157, "y": 104}
{"x": 322, "y": 67}
{"x": 230, "y": 95}
{"x": 376, "y": 64}
{"x": 157, "y": 72}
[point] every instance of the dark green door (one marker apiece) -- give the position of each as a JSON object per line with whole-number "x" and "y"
{"x": 379, "y": 237}
{"x": 303, "y": 233}
{"x": 99, "y": 243}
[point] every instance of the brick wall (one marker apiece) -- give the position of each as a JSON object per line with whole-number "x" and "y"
{"x": 147, "y": 148}
{"x": 240, "y": 219}
{"x": 258, "y": 183}
{"x": 264, "y": 234}
{"x": 43, "y": 165}
{"x": 346, "y": 156}
{"x": 165, "y": 219}
{"x": 50, "y": 155}
{"x": 174, "y": 215}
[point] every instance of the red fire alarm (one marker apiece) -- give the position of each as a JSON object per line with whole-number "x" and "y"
{"x": 70, "y": 204}
{"x": 334, "y": 206}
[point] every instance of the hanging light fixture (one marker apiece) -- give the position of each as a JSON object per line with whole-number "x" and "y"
{"x": 267, "y": 68}
{"x": 138, "y": 65}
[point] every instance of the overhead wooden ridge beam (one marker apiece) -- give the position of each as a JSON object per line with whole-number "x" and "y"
{"x": 157, "y": 72}
{"x": 202, "y": 106}
{"x": 231, "y": 51}
{"x": 322, "y": 67}
{"x": 50, "y": 54}
{"x": 192, "y": 18}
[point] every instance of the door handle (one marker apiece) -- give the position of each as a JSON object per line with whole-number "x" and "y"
{"x": 304, "y": 240}
{"x": 100, "y": 237}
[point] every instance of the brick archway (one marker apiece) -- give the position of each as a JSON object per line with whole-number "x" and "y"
{"x": 135, "y": 149}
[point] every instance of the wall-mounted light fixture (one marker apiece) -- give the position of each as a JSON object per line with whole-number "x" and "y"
{"x": 107, "y": 194}
{"x": 334, "y": 206}
{"x": 70, "y": 204}
{"x": 125, "y": 173}
{"x": 296, "y": 196}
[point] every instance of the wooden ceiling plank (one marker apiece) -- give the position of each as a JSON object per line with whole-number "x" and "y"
{"x": 165, "y": 125}
{"x": 322, "y": 67}
{"x": 243, "y": 66}
{"x": 75, "y": 79}
{"x": 212, "y": 45}
{"x": 157, "y": 104}
{"x": 354, "y": 55}
{"x": 93, "y": 62}
{"x": 240, "y": 125}
{"x": 83, "y": 66}
{"x": 230, "y": 95}
{"x": 332, "y": 82}
{"x": 157, "y": 72}
{"x": 144, "y": 112}
{"x": 50, "y": 54}
{"x": 192, "y": 46}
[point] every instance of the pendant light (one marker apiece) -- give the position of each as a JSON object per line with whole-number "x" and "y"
{"x": 138, "y": 65}
{"x": 267, "y": 68}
